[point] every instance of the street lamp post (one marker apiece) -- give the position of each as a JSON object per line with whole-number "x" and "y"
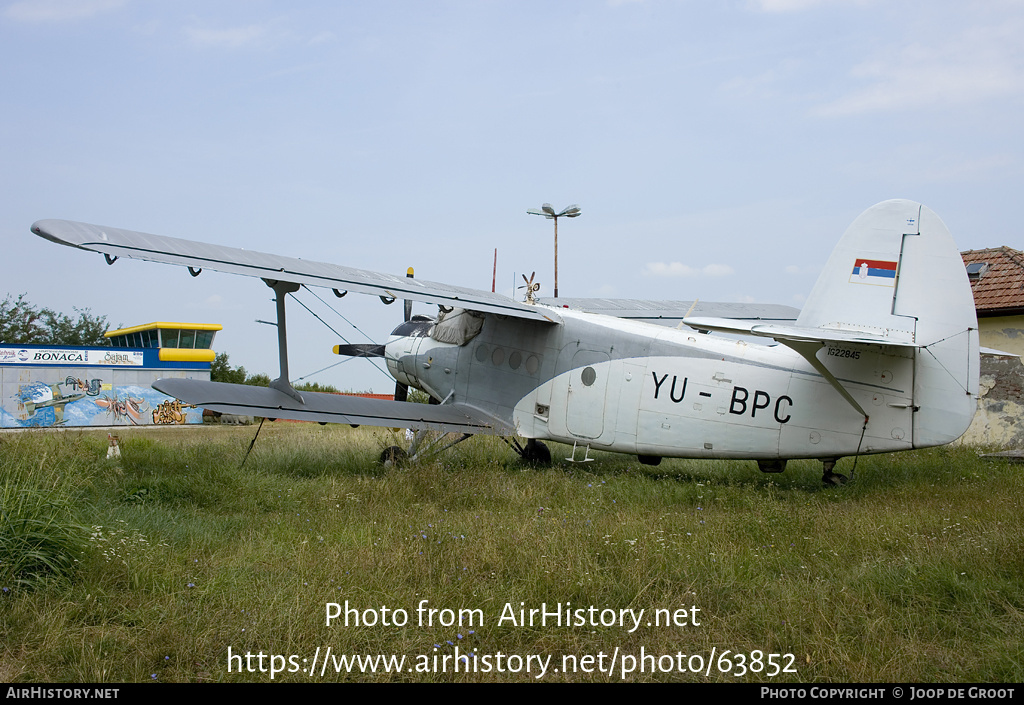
{"x": 548, "y": 212}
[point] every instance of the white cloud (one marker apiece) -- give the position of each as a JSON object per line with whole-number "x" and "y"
{"x": 322, "y": 38}
{"x": 978, "y": 64}
{"x": 718, "y": 270}
{"x": 59, "y": 10}
{"x": 759, "y": 87}
{"x": 230, "y": 38}
{"x": 780, "y": 6}
{"x": 678, "y": 269}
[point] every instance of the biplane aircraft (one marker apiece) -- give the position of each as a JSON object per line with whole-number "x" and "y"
{"x": 883, "y": 357}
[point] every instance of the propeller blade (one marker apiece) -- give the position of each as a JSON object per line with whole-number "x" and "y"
{"x": 360, "y": 350}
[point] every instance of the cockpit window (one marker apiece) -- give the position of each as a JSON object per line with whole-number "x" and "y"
{"x": 417, "y": 327}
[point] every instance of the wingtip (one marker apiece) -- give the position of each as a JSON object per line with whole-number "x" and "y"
{"x": 45, "y": 229}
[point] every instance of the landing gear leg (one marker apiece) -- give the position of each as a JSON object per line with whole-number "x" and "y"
{"x": 829, "y": 478}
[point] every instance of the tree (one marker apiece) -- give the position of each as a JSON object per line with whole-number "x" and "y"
{"x": 87, "y": 329}
{"x": 260, "y": 379}
{"x": 222, "y": 371}
{"x": 317, "y": 387}
{"x": 21, "y": 323}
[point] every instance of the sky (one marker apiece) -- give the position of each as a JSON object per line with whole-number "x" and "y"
{"x": 717, "y": 149}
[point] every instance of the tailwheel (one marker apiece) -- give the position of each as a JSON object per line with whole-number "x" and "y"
{"x": 393, "y": 455}
{"x": 536, "y": 453}
{"x": 829, "y": 478}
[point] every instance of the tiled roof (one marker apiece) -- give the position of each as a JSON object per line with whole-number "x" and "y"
{"x": 1001, "y": 286}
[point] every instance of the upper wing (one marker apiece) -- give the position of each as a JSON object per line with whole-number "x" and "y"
{"x": 114, "y": 242}
{"x": 331, "y": 408}
{"x": 670, "y": 313}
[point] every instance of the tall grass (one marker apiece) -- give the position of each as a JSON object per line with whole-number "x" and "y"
{"x": 911, "y": 573}
{"x": 40, "y": 539}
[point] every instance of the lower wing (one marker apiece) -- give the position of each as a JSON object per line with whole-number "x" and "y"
{"x": 331, "y": 408}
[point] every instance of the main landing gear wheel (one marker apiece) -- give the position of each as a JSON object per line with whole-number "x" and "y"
{"x": 829, "y": 478}
{"x": 536, "y": 453}
{"x": 393, "y": 455}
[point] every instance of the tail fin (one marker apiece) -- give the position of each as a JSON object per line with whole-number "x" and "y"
{"x": 897, "y": 274}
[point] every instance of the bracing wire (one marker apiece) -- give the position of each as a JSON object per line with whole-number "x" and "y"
{"x": 926, "y": 348}
{"x": 330, "y": 328}
{"x": 338, "y": 313}
{"x": 323, "y": 369}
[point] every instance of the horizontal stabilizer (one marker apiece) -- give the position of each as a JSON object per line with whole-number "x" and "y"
{"x": 997, "y": 353}
{"x": 331, "y": 408}
{"x": 805, "y": 340}
{"x": 801, "y": 334}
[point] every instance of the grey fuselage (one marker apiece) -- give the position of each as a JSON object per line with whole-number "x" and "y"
{"x": 633, "y": 387}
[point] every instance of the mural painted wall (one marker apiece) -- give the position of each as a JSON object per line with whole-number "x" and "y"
{"x": 43, "y": 387}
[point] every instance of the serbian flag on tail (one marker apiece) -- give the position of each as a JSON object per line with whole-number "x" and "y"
{"x": 874, "y": 271}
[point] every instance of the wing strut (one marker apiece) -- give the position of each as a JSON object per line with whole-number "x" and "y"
{"x": 282, "y": 383}
{"x": 808, "y": 350}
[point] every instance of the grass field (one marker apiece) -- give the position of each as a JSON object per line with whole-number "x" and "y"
{"x": 153, "y": 566}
